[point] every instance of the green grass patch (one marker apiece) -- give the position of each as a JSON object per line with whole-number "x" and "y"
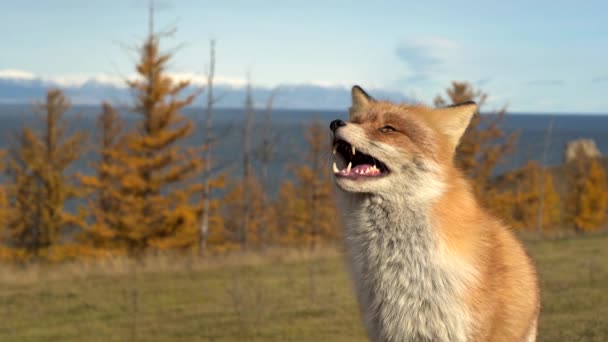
{"x": 271, "y": 299}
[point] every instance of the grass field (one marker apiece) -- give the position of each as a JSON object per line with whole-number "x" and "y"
{"x": 286, "y": 296}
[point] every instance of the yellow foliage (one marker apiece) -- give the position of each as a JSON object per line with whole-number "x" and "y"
{"x": 522, "y": 204}
{"x": 148, "y": 178}
{"x": 98, "y": 234}
{"x": 5, "y": 211}
{"x": 588, "y": 194}
{"x": 40, "y": 185}
{"x": 484, "y": 144}
{"x": 306, "y": 210}
{"x": 262, "y": 229}
{"x": 289, "y": 222}
{"x": 551, "y": 206}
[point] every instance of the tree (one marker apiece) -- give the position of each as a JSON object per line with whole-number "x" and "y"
{"x": 290, "y": 223}
{"x": 260, "y": 216}
{"x": 40, "y": 184}
{"x": 248, "y": 177}
{"x": 587, "y": 195}
{"x": 550, "y": 205}
{"x": 155, "y": 206}
{"x": 100, "y": 233}
{"x": 306, "y": 208}
{"x": 521, "y": 195}
{"x": 484, "y": 144}
{"x": 552, "y": 196}
{"x": 266, "y": 155}
{"x": 533, "y": 187}
{"x": 5, "y": 212}
{"x": 206, "y": 171}
{"x": 250, "y": 215}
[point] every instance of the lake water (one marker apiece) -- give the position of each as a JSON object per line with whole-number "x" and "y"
{"x": 288, "y": 132}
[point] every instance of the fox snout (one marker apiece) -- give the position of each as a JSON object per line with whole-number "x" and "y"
{"x": 334, "y": 125}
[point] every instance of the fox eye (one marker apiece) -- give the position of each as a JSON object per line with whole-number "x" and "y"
{"x": 387, "y": 129}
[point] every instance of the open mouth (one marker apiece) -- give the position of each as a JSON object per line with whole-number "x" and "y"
{"x": 358, "y": 165}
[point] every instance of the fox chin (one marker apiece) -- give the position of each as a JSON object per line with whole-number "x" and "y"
{"x": 428, "y": 263}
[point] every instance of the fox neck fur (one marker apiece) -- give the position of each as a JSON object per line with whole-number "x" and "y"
{"x": 407, "y": 288}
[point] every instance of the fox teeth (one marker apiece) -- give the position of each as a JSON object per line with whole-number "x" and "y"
{"x": 335, "y": 149}
{"x": 353, "y": 149}
{"x": 335, "y": 167}
{"x": 350, "y": 165}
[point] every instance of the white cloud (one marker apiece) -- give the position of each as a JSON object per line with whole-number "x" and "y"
{"x": 79, "y": 79}
{"x": 426, "y": 57}
{"x": 15, "y": 74}
{"x": 200, "y": 79}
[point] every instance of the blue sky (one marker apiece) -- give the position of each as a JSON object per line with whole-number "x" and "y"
{"x": 540, "y": 56}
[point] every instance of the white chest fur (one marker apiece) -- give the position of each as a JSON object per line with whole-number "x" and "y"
{"x": 407, "y": 289}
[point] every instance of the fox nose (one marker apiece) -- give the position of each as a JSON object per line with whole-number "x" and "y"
{"x": 334, "y": 125}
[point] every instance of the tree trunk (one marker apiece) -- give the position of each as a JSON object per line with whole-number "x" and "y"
{"x": 247, "y": 167}
{"x": 204, "y": 229}
{"x": 541, "y": 195}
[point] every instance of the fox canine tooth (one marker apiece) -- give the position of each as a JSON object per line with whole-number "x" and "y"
{"x": 350, "y": 165}
{"x": 335, "y": 149}
{"x": 335, "y": 167}
{"x": 353, "y": 148}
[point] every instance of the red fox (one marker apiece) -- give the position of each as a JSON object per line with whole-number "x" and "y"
{"x": 428, "y": 263}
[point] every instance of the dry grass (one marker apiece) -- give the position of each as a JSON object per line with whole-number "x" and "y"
{"x": 159, "y": 263}
{"x": 281, "y": 295}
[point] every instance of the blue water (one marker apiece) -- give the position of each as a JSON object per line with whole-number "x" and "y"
{"x": 290, "y": 146}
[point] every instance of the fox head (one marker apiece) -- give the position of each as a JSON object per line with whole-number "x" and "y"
{"x": 397, "y": 149}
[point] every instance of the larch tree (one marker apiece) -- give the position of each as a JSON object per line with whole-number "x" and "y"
{"x": 535, "y": 192}
{"x": 548, "y": 194}
{"x": 155, "y": 200}
{"x": 5, "y": 212}
{"x": 40, "y": 181}
{"x": 290, "y": 223}
{"x": 587, "y": 194}
{"x": 259, "y": 216}
{"x": 307, "y": 212}
{"x": 266, "y": 155}
{"x": 4, "y": 209}
{"x": 549, "y": 206}
{"x": 245, "y": 203}
{"x": 250, "y": 214}
{"x": 484, "y": 144}
{"x": 101, "y": 232}
{"x": 520, "y": 196}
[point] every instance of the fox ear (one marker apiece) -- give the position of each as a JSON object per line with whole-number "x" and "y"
{"x": 454, "y": 120}
{"x": 360, "y": 97}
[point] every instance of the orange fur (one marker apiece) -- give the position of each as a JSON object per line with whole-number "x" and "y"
{"x": 503, "y": 299}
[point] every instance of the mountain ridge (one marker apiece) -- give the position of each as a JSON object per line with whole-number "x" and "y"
{"x": 16, "y": 90}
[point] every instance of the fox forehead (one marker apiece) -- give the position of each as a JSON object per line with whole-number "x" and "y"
{"x": 412, "y": 119}
{"x": 409, "y": 120}
{"x": 382, "y": 111}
